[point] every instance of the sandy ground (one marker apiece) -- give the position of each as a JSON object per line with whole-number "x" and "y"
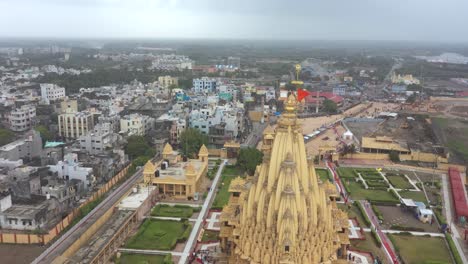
{"x": 313, "y": 145}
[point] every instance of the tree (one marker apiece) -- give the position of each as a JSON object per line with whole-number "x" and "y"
{"x": 248, "y": 159}
{"x": 6, "y": 136}
{"x": 349, "y": 149}
{"x": 411, "y": 99}
{"x": 141, "y": 160}
{"x": 329, "y": 106}
{"x": 138, "y": 146}
{"x": 191, "y": 140}
{"x": 414, "y": 87}
{"x": 46, "y": 135}
{"x": 394, "y": 156}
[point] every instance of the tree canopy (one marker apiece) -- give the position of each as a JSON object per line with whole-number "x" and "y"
{"x": 46, "y": 135}
{"x": 138, "y": 146}
{"x": 191, "y": 141}
{"x": 329, "y": 106}
{"x": 6, "y": 136}
{"x": 248, "y": 159}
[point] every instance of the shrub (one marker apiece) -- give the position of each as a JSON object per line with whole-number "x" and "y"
{"x": 376, "y": 238}
{"x": 394, "y": 193}
{"x": 168, "y": 259}
{"x": 453, "y": 249}
{"x": 406, "y": 228}
{"x": 377, "y": 212}
{"x": 440, "y": 217}
{"x": 363, "y": 213}
{"x": 394, "y": 156}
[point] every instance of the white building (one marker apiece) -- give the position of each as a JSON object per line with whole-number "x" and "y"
{"x": 70, "y": 168}
{"x": 74, "y": 124}
{"x": 27, "y": 148}
{"x": 340, "y": 90}
{"x": 136, "y": 124}
{"x": 51, "y": 92}
{"x": 230, "y": 115}
{"x": 22, "y": 118}
{"x": 98, "y": 140}
{"x": 204, "y": 85}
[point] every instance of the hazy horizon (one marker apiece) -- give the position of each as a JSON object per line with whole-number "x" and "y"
{"x": 360, "y": 20}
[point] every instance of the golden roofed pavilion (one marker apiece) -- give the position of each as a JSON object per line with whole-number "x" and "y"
{"x": 284, "y": 214}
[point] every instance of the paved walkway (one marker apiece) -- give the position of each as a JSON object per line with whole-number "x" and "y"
{"x": 170, "y": 218}
{"x": 213, "y": 220}
{"x": 201, "y": 216}
{"x": 448, "y": 215}
{"x": 385, "y": 241}
{"x": 185, "y": 204}
{"x": 338, "y": 182}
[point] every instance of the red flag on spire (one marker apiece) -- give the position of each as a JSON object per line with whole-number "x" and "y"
{"x": 301, "y": 94}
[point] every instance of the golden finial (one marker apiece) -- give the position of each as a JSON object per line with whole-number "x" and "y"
{"x": 291, "y": 103}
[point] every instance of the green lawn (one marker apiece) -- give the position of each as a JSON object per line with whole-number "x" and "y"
{"x": 210, "y": 235}
{"x": 399, "y": 182}
{"x": 127, "y": 258}
{"x": 222, "y": 197}
{"x": 359, "y": 193}
{"x": 414, "y": 249}
{"x": 323, "y": 174}
{"x": 417, "y": 196}
{"x": 368, "y": 245}
{"x": 346, "y": 172}
{"x": 353, "y": 212}
{"x": 182, "y": 211}
{"x": 159, "y": 234}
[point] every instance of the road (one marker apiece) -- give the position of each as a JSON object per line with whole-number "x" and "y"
{"x": 65, "y": 241}
{"x": 198, "y": 224}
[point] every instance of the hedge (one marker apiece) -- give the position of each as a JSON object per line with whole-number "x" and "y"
{"x": 168, "y": 259}
{"x": 453, "y": 248}
{"x": 394, "y": 193}
{"x": 406, "y": 228}
{"x": 384, "y": 201}
{"x": 376, "y": 238}
{"x": 377, "y": 212}
{"x": 363, "y": 213}
{"x": 440, "y": 217}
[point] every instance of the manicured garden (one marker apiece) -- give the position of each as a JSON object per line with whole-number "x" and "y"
{"x": 377, "y": 186}
{"x": 416, "y": 196}
{"x": 421, "y": 249}
{"x": 128, "y": 258}
{"x": 323, "y": 174}
{"x": 160, "y": 234}
{"x": 398, "y": 181}
{"x": 210, "y": 235}
{"x": 222, "y": 197}
{"x": 368, "y": 245}
{"x": 183, "y": 211}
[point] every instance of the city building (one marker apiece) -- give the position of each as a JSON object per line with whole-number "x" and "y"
{"x": 22, "y": 118}
{"x": 204, "y": 85}
{"x": 172, "y": 62}
{"x": 51, "y": 92}
{"x": 167, "y": 81}
{"x": 28, "y": 216}
{"x": 340, "y": 90}
{"x": 70, "y": 169}
{"x": 27, "y": 148}
{"x": 98, "y": 140}
{"x": 136, "y": 124}
{"x": 178, "y": 178}
{"x": 75, "y": 124}
{"x": 68, "y": 106}
{"x": 285, "y": 214}
{"x": 404, "y": 79}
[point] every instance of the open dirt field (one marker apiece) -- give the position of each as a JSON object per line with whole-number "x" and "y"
{"x": 19, "y": 254}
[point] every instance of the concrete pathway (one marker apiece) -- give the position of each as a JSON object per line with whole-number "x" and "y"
{"x": 387, "y": 245}
{"x": 149, "y": 251}
{"x": 448, "y": 215}
{"x": 213, "y": 220}
{"x": 170, "y": 218}
{"x": 201, "y": 216}
{"x": 363, "y": 181}
{"x": 390, "y": 231}
{"x": 185, "y": 204}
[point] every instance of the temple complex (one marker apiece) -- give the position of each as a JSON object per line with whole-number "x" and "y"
{"x": 284, "y": 213}
{"x": 176, "y": 177}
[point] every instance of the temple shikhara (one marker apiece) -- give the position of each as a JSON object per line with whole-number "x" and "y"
{"x": 284, "y": 213}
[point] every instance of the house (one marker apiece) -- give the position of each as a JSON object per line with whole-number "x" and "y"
{"x": 176, "y": 176}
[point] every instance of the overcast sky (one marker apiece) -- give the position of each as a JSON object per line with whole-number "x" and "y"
{"x": 416, "y": 20}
